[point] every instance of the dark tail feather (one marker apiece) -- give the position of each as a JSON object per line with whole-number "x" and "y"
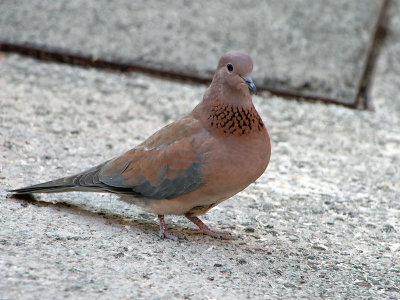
{"x": 87, "y": 181}
{"x": 54, "y": 186}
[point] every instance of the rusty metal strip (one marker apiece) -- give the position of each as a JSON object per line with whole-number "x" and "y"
{"x": 63, "y": 56}
{"x": 67, "y": 57}
{"x": 305, "y": 97}
{"x": 362, "y": 100}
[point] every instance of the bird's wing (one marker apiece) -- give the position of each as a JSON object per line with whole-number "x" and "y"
{"x": 167, "y": 165}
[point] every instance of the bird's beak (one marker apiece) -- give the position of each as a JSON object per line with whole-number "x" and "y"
{"x": 250, "y": 84}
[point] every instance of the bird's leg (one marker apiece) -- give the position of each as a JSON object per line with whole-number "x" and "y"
{"x": 163, "y": 233}
{"x": 203, "y": 228}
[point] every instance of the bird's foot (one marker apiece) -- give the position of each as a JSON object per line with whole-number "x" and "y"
{"x": 172, "y": 236}
{"x": 204, "y": 229}
{"x": 217, "y": 234}
{"x": 163, "y": 233}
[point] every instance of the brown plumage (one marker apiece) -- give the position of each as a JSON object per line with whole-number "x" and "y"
{"x": 193, "y": 164}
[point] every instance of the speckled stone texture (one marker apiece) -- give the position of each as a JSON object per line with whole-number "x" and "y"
{"x": 322, "y": 222}
{"x": 317, "y": 48}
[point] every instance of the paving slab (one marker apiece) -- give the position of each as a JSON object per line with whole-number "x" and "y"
{"x": 315, "y": 48}
{"x": 322, "y": 222}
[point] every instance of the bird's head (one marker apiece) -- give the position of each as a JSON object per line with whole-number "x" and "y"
{"x": 233, "y": 73}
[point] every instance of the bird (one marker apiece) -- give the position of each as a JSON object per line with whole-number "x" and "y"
{"x": 191, "y": 165}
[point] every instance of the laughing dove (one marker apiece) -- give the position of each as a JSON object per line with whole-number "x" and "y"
{"x": 190, "y": 165}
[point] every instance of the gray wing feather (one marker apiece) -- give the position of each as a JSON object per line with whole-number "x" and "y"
{"x": 186, "y": 182}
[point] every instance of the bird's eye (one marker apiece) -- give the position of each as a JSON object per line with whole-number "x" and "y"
{"x": 230, "y": 67}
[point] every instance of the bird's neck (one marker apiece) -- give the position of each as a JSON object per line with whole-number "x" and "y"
{"x": 233, "y": 120}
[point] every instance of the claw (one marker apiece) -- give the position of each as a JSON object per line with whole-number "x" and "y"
{"x": 172, "y": 236}
{"x": 217, "y": 234}
{"x": 204, "y": 229}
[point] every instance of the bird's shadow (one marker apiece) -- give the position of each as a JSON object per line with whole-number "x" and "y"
{"x": 29, "y": 199}
{"x": 145, "y": 224}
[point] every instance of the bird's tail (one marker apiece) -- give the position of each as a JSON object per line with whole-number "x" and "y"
{"x": 86, "y": 182}
{"x": 55, "y": 186}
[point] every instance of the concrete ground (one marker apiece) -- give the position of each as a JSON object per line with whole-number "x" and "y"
{"x": 322, "y": 222}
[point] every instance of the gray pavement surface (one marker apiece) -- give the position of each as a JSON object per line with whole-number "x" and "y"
{"x": 322, "y": 222}
{"x": 317, "y": 48}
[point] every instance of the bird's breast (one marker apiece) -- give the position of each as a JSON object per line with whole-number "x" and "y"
{"x": 233, "y": 163}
